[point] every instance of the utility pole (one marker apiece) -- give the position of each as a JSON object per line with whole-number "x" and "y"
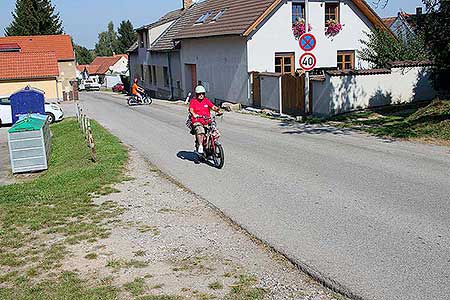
{"x": 307, "y": 108}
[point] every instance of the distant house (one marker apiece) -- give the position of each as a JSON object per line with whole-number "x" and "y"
{"x": 106, "y": 70}
{"x": 155, "y": 59}
{"x": 405, "y": 25}
{"x": 50, "y": 46}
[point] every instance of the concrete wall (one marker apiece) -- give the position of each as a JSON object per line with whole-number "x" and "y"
{"x": 221, "y": 67}
{"x": 49, "y": 86}
{"x": 270, "y": 92}
{"x": 67, "y": 73}
{"x": 338, "y": 94}
{"x": 275, "y": 35}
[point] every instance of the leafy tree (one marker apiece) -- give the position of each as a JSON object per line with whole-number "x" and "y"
{"x": 34, "y": 17}
{"x": 107, "y": 44}
{"x": 126, "y": 36}
{"x": 381, "y": 47}
{"x": 84, "y": 56}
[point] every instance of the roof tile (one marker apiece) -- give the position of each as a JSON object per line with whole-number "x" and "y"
{"x": 20, "y": 65}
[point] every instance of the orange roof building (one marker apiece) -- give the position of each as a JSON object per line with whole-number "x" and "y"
{"x": 46, "y": 62}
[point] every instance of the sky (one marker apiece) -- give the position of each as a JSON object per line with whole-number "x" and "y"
{"x": 84, "y": 19}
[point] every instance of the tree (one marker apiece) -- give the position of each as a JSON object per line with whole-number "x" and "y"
{"x": 84, "y": 56}
{"x": 381, "y": 47}
{"x": 34, "y": 17}
{"x": 107, "y": 44}
{"x": 126, "y": 36}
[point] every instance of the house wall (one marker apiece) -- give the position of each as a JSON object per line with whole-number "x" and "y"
{"x": 120, "y": 66}
{"x": 221, "y": 67}
{"x": 49, "y": 86}
{"x": 67, "y": 73}
{"x": 275, "y": 35}
{"x": 338, "y": 94}
{"x": 270, "y": 92}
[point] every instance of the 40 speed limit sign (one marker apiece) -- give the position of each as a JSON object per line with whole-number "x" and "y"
{"x": 308, "y": 61}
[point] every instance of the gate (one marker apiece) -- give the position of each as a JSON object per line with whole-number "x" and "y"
{"x": 256, "y": 90}
{"x": 293, "y": 94}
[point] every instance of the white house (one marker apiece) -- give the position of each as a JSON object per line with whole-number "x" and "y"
{"x": 405, "y": 25}
{"x": 223, "y": 41}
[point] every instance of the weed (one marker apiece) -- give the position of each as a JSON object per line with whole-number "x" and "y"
{"x": 91, "y": 256}
{"x": 140, "y": 253}
{"x": 215, "y": 285}
{"x": 244, "y": 289}
{"x": 136, "y": 287}
{"x": 148, "y": 228}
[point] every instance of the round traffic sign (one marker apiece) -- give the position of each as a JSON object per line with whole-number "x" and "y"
{"x": 308, "y": 61}
{"x": 307, "y": 42}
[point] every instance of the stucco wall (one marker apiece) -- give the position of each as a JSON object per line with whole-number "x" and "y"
{"x": 67, "y": 73}
{"x": 48, "y": 86}
{"x": 338, "y": 94}
{"x": 270, "y": 92}
{"x": 275, "y": 35}
{"x": 121, "y": 66}
{"x": 221, "y": 67}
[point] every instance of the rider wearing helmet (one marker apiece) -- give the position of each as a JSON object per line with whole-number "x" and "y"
{"x": 136, "y": 90}
{"x": 199, "y": 109}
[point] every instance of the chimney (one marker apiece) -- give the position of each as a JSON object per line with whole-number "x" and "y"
{"x": 418, "y": 11}
{"x": 187, "y": 3}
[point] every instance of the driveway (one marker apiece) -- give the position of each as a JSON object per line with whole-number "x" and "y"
{"x": 368, "y": 215}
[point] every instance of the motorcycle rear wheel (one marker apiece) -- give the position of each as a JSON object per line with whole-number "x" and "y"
{"x": 219, "y": 156}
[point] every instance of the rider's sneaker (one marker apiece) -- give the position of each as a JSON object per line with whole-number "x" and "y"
{"x": 200, "y": 149}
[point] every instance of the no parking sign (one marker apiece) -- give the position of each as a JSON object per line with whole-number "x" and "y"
{"x": 308, "y": 60}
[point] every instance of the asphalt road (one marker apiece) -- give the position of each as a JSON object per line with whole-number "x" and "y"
{"x": 368, "y": 214}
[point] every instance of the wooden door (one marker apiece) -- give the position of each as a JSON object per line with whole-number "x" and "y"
{"x": 256, "y": 90}
{"x": 194, "y": 76}
{"x": 293, "y": 94}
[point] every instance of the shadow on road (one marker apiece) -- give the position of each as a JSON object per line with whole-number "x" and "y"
{"x": 313, "y": 129}
{"x": 188, "y": 155}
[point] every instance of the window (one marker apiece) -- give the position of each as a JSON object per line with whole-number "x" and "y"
{"x": 331, "y": 12}
{"x": 141, "y": 40}
{"x": 346, "y": 60}
{"x": 298, "y": 12}
{"x": 203, "y": 18}
{"x": 155, "y": 76}
{"x": 150, "y": 75}
{"x": 142, "y": 73}
{"x": 219, "y": 15}
{"x": 285, "y": 63}
{"x": 166, "y": 76}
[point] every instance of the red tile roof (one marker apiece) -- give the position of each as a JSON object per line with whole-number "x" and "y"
{"x": 19, "y": 65}
{"x": 9, "y": 47}
{"x": 389, "y": 21}
{"x": 104, "y": 62}
{"x": 60, "y": 44}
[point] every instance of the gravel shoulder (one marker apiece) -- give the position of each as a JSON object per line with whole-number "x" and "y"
{"x": 168, "y": 241}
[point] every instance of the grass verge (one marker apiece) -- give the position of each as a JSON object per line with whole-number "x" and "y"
{"x": 38, "y": 218}
{"x": 425, "y": 121}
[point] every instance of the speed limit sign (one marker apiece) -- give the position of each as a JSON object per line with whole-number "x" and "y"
{"x": 308, "y": 61}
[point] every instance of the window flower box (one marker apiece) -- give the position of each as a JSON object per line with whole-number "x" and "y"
{"x": 333, "y": 28}
{"x": 299, "y": 28}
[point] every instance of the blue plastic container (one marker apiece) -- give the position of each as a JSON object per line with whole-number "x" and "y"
{"x": 27, "y": 101}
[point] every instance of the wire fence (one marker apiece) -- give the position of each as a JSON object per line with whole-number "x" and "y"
{"x": 86, "y": 129}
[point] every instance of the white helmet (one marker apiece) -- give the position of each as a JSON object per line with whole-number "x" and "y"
{"x": 200, "y": 90}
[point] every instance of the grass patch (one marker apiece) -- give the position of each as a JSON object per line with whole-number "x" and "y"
{"x": 91, "y": 256}
{"x": 244, "y": 289}
{"x": 160, "y": 297}
{"x": 56, "y": 206}
{"x": 215, "y": 285}
{"x": 136, "y": 288}
{"x": 421, "y": 120}
{"x": 153, "y": 230}
{"x": 67, "y": 287}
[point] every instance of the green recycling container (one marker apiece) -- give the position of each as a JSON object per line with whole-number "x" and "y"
{"x": 30, "y": 144}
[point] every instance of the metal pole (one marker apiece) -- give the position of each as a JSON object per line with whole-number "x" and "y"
{"x": 307, "y": 108}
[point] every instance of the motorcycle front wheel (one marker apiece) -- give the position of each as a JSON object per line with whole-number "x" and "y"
{"x": 219, "y": 156}
{"x": 130, "y": 101}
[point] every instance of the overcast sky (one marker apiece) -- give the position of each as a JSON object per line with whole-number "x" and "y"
{"x": 84, "y": 19}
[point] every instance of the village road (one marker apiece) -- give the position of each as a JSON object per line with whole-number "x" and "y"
{"x": 368, "y": 214}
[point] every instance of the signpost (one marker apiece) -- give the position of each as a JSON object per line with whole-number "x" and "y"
{"x": 308, "y": 61}
{"x": 307, "y": 42}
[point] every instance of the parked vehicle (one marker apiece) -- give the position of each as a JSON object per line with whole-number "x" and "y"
{"x": 91, "y": 85}
{"x": 52, "y": 110}
{"x": 119, "y": 88}
{"x": 213, "y": 150}
{"x": 146, "y": 100}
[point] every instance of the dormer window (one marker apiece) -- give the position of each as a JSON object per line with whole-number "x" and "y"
{"x": 203, "y": 18}
{"x": 219, "y": 15}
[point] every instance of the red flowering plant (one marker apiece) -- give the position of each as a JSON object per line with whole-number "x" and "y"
{"x": 299, "y": 28}
{"x": 333, "y": 28}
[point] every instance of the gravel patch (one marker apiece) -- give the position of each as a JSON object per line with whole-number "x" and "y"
{"x": 170, "y": 242}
